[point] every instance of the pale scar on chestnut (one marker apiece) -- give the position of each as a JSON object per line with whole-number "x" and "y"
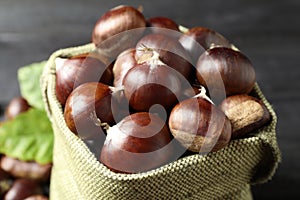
{"x": 244, "y": 114}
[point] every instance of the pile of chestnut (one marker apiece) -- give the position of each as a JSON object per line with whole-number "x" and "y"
{"x": 154, "y": 91}
{"x": 22, "y": 179}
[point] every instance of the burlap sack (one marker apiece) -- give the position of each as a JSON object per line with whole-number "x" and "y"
{"x": 226, "y": 174}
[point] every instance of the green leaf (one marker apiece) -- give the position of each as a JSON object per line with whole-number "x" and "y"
{"x": 29, "y": 81}
{"x": 28, "y": 137}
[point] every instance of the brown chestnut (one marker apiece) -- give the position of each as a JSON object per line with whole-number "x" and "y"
{"x": 151, "y": 83}
{"x": 116, "y": 21}
{"x": 23, "y": 188}
{"x": 124, "y": 62}
{"x": 37, "y": 197}
{"x": 74, "y": 71}
{"x": 159, "y": 24}
{"x": 89, "y": 107}
{"x": 138, "y": 143}
{"x": 199, "y": 125}
{"x": 246, "y": 113}
{"x": 198, "y": 39}
{"x": 224, "y": 68}
{"x": 16, "y": 106}
{"x": 22, "y": 169}
{"x": 4, "y": 175}
{"x": 190, "y": 92}
{"x": 5, "y": 182}
{"x": 169, "y": 50}
{"x": 162, "y": 22}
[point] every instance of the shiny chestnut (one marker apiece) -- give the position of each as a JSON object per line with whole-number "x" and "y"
{"x": 170, "y": 52}
{"x": 117, "y": 21}
{"x": 198, "y": 39}
{"x": 124, "y": 62}
{"x": 199, "y": 125}
{"x": 160, "y": 24}
{"x": 88, "y": 107}
{"x": 151, "y": 83}
{"x": 37, "y": 197}
{"x": 23, "y": 188}
{"x": 223, "y": 68}
{"x": 15, "y": 107}
{"x": 74, "y": 71}
{"x": 138, "y": 143}
{"x": 23, "y": 169}
{"x": 5, "y": 182}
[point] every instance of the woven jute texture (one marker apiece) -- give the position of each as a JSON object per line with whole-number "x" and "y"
{"x": 226, "y": 174}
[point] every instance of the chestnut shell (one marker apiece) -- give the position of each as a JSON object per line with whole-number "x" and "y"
{"x": 124, "y": 62}
{"x": 110, "y": 31}
{"x": 234, "y": 68}
{"x": 16, "y": 106}
{"x": 160, "y": 24}
{"x": 78, "y": 70}
{"x": 115, "y": 21}
{"x": 170, "y": 52}
{"x": 137, "y": 144}
{"x": 199, "y": 125}
{"x": 23, "y": 169}
{"x": 198, "y": 39}
{"x": 206, "y": 37}
{"x": 86, "y": 105}
{"x": 236, "y": 100}
{"x": 23, "y": 188}
{"x": 146, "y": 85}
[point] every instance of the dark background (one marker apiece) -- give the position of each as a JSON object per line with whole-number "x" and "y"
{"x": 267, "y": 31}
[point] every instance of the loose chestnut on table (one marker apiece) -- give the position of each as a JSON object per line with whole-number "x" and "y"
{"x": 5, "y": 182}
{"x": 16, "y": 106}
{"x": 246, "y": 113}
{"x": 74, "y": 71}
{"x": 138, "y": 143}
{"x": 23, "y": 188}
{"x": 37, "y": 197}
{"x": 23, "y": 169}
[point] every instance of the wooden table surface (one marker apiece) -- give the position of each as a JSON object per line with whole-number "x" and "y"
{"x": 268, "y": 32}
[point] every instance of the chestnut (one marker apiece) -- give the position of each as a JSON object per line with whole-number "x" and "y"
{"x": 198, "y": 39}
{"x": 151, "y": 83}
{"x": 5, "y": 182}
{"x": 191, "y": 91}
{"x": 169, "y": 50}
{"x": 124, "y": 62}
{"x": 16, "y": 106}
{"x": 23, "y": 188}
{"x": 224, "y": 68}
{"x": 199, "y": 125}
{"x": 74, "y": 71}
{"x": 89, "y": 108}
{"x": 22, "y": 169}
{"x": 246, "y": 113}
{"x": 118, "y": 20}
{"x": 159, "y": 24}
{"x": 138, "y": 143}
{"x": 4, "y": 175}
{"x": 37, "y": 197}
